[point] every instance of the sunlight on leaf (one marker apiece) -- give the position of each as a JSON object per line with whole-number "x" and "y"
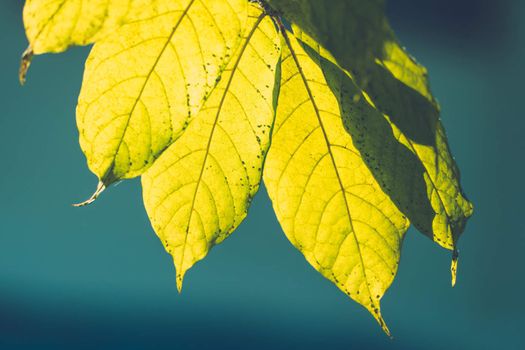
{"x": 201, "y": 98}
{"x": 200, "y": 188}
{"x": 54, "y": 25}
{"x": 144, "y": 83}
{"x": 325, "y": 197}
{"x": 358, "y": 35}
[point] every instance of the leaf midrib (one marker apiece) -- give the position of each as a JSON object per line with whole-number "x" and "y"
{"x": 334, "y": 164}
{"x": 208, "y": 146}
{"x": 128, "y": 119}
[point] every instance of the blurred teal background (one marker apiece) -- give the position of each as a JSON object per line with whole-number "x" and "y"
{"x": 98, "y": 277}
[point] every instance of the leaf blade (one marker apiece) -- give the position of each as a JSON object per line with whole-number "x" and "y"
{"x": 53, "y": 26}
{"x": 359, "y": 39}
{"x": 325, "y": 198}
{"x": 140, "y": 91}
{"x": 199, "y": 190}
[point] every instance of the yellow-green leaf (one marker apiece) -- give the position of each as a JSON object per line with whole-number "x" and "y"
{"x": 416, "y": 126}
{"x": 357, "y": 34}
{"x": 353, "y": 31}
{"x": 144, "y": 82}
{"x": 187, "y": 93}
{"x": 199, "y": 190}
{"x": 328, "y": 202}
{"x": 54, "y": 25}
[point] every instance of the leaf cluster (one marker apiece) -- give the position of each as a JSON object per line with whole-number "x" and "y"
{"x": 203, "y": 99}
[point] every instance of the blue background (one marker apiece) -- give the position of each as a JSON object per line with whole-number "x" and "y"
{"x": 98, "y": 276}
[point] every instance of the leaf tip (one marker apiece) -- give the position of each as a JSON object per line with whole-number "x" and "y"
{"x": 100, "y": 188}
{"x": 25, "y": 62}
{"x": 383, "y": 325}
{"x": 454, "y": 266}
{"x": 376, "y": 312}
{"x": 180, "y": 279}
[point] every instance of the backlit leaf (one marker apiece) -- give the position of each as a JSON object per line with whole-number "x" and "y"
{"x": 325, "y": 197}
{"x": 359, "y": 37}
{"x": 54, "y": 25}
{"x": 193, "y": 94}
{"x": 438, "y": 207}
{"x": 144, "y": 83}
{"x": 200, "y": 188}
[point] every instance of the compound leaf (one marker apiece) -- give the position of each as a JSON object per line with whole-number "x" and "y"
{"x": 199, "y": 190}
{"x": 191, "y": 93}
{"x": 143, "y": 83}
{"x": 328, "y": 202}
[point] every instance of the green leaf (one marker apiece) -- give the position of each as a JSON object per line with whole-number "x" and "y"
{"x": 145, "y": 82}
{"x": 200, "y": 188}
{"x": 353, "y": 31}
{"x": 424, "y": 184}
{"x": 439, "y": 208}
{"x": 328, "y": 202}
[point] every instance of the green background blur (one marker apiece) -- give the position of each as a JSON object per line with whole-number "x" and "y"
{"x": 98, "y": 277}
